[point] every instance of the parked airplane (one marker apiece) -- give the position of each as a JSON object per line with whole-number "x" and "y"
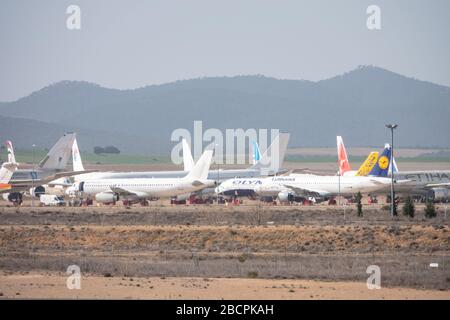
{"x": 108, "y": 190}
{"x": 285, "y": 188}
{"x": 434, "y": 184}
{"x": 35, "y": 180}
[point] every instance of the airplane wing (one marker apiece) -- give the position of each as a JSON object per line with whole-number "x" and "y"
{"x": 438, "y": 185}
{"x": 306, "y": 192}
{"x": 122, "y": 192}
{"x": 26, "y": 184}
{"x": 197, "y": 183}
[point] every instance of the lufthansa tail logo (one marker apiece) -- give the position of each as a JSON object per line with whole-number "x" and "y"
{"x": 383, "y": 162}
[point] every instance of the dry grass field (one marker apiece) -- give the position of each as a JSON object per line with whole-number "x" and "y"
{"x": 53, "y": 286}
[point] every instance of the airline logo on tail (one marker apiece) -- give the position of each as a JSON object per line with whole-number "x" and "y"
{"x": 344, "y": 165}
{"x": 381, "y": 168}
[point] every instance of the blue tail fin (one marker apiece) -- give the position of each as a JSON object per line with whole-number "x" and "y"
{"x": 256, "y": 153}
{"x": 381, "y": 168}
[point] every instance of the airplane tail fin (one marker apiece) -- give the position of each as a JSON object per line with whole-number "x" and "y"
{"x": 188, "y": 161}
{"x": 368, "y": 164}
{"x": 10, "y": 150}
{"x": 8, "y": 168}
{"x": 272, "y": 159}
{"x": 256, "y": 153}
{"x": 76, "y": 157}
{"x": 381, "y": 168}
{"x": 344, "y": 165}
{"x": 59, "y": 154}
{"x": 201, "y": 169}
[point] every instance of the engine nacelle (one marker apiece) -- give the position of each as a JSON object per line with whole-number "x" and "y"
{"x": 440, "y": 194}
{"x": 284, "y": 196}
{"x": 106, "y": 197}
{"x": 37, "y": 192}
{"x": 15, "y": 197}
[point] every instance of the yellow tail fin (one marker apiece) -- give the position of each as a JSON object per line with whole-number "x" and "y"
{"x": 368, "y": 164}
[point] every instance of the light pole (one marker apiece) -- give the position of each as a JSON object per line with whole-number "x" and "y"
{"x": 218, "y": 168}
{"x": 33, "y": 173}
{"x": 339, "y": 184}
{"x": 392, "y": 127}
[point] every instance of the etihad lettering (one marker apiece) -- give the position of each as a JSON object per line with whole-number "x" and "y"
{"x": 426, "y": 177}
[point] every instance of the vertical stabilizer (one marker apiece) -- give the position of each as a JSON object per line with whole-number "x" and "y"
{"x": 381, "y": 168}
{"x": 368, "y": 164}
{"x": 344, "y": 165}
{"x": 272, "y": 159}
{"x": 188, "y": 161}
{"x": 59, "y": 154}
{"x": 201, "y": 168}
{"x": 256, "y": 157}
{"x": 76, "y": 157}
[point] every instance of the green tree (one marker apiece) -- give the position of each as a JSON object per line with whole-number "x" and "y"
{"x": 409, "y": 208}
{"x": 358, "y": 198}
{"x": 430, "y": 209}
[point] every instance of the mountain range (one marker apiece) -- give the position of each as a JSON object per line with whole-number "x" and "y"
{"x": 356, "y": 105}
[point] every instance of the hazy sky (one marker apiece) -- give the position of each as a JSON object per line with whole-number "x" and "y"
{"x": 128, "y": 44}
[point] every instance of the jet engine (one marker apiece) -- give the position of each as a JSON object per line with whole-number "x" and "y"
{"x": 37, "y": 192}
{"x": 15, "y": 197}
{"x": 106, "y": 197}
{"x": 440, "y": 194}
{"x": 285, "y": 196}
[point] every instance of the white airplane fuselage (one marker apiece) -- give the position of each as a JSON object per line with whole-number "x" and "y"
{"x": 142, "y": 188}
{"x": 322, "y": 185}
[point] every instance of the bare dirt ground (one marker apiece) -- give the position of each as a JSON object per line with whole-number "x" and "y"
{"x": 53, "y": 286}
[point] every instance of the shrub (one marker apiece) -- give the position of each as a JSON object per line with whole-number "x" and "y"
{"x": 408, "y": 207}
{"x": 430, "y": 209}
{"x": 252, "y": 274}
{"x": 358, "y": 198}
{"x": 242, "y": 258}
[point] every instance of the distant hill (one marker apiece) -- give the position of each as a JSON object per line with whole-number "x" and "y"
{"x": 356, "y": 105}
{"x": 24, "y": 133}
